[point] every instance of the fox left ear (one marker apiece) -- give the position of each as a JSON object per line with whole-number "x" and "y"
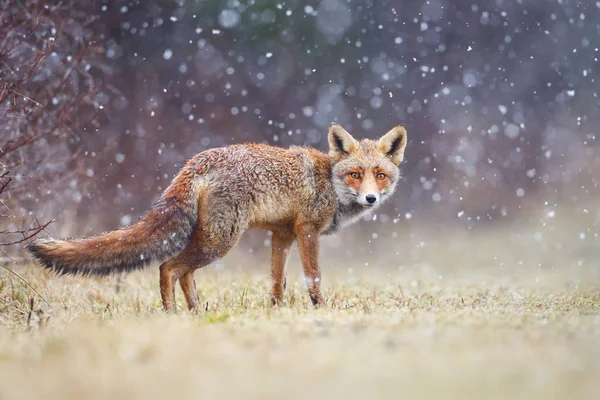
{"x": 393, "y": 143}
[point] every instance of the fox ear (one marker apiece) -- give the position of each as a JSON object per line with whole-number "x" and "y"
{"x": 341, "y": 143}
{"x": 393, "y": 143}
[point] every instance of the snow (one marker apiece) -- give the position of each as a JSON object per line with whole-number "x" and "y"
{"x": 229, "y": 18}
{"x": 500, "y": 100}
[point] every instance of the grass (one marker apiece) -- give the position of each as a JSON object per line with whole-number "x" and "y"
{"x": 387, "y": 333}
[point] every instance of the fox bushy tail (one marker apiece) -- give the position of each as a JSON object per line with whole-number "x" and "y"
{"x": 163, "y": 231}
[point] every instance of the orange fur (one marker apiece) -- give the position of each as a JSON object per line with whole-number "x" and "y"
{"x": 298, "y": 193}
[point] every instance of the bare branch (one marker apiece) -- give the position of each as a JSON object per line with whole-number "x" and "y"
{"x": 26, "y": 98}
{"x": 27, "y": 234}
{"x": 4, "y": 185}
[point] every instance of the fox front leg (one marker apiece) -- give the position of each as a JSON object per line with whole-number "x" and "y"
{"x": 308, "y": 246}
{"x": 282, "y": 241}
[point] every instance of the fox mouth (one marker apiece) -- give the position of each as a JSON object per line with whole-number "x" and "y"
{"x": 367, "y": 205}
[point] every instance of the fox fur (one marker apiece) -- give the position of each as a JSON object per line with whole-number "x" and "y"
{"x": 297, "y": 193}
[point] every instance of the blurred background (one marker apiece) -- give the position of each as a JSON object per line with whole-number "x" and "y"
{"x": 101, "y": 102}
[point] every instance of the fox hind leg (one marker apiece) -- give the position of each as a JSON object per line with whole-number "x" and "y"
{"x": 188, "y": 286}
{"x": 168, "y": 277}
{"x": 219, "y": 229}
{"x": 180, "y": 268}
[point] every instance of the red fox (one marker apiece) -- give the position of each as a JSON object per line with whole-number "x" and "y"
{"x": 297, "y": 193}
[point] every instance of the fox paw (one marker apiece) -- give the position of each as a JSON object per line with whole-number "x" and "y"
{"x": 317, "y": 300}
{"x": 276, "y": 301}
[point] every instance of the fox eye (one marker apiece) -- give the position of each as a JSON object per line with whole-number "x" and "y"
{"x": 355, "y": 175}
{"x": 381, "y": 176}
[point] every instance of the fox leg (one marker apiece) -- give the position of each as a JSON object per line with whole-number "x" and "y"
{"x": 308, "y": 246}
{"x": 167, "y": 285}
{"x": 220, "y": 225}
{"x": 179, "y": 268}
{"x": 282, "y": 241}
{"x": 188, "y": 286}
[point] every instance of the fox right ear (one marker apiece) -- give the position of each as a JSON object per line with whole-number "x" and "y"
{"x": 341, "y": 143}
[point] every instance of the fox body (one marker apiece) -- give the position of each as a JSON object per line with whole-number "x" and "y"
{"x": 297, "y": 193}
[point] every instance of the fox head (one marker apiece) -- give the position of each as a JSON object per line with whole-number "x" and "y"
{"x": 365, "y": 172}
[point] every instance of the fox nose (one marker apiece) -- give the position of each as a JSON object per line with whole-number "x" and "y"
{"x": 371, "y": 198}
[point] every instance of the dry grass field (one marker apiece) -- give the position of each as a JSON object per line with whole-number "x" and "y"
{"x": 447, "y": 327}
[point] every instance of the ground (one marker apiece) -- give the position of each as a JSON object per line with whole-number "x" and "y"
{"x": 387, "y": 333}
